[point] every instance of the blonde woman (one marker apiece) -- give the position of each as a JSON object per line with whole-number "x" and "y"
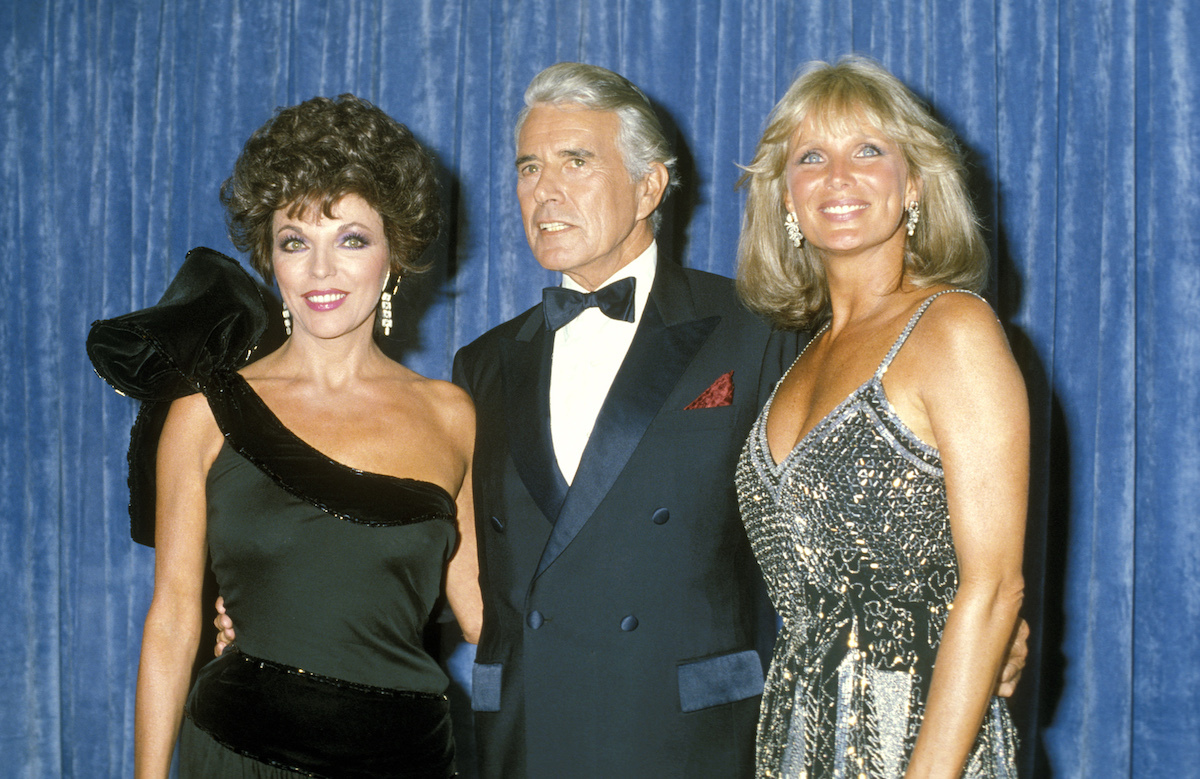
{"x": 884, "y": 485}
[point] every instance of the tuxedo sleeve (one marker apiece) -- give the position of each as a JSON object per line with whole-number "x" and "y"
{"x": 783, "y": 347}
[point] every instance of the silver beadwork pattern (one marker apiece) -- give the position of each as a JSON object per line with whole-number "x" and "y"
{"x": 852, "y": 532}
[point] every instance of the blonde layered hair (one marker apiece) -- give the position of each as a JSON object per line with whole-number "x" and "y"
{"x": 787, "y": 284}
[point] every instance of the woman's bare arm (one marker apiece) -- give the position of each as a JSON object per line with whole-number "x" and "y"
{"x": 462, "y": 577}
{"x": 977, "y": 408}
{"x": 189, "y": 444}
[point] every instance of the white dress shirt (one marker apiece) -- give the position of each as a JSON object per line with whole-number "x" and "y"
{"x": 588, "y": 351}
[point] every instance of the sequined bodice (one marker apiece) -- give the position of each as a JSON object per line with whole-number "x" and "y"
{"x": 852, "y": 532}
{"x": 857, "y": 513}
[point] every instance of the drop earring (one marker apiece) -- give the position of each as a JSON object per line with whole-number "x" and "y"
{"x": 914, "y": 216}
{"x": 385, "y": 306}
{"x": 287, "y": 320}
{"x": 792, "y": 226}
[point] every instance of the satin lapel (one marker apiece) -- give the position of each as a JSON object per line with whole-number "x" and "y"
{"x": 526, "y": 363}
{"x": 657, "y": 358}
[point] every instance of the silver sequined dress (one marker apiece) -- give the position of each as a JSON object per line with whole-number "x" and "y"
{"x": 853, "y": 535}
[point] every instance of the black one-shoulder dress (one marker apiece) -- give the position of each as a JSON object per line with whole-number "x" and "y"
{"x": 329, "y": 573}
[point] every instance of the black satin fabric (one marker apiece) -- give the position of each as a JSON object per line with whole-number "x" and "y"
{"x": 377, "y": 500}
{"x": 320, "y": 726}
{"x": 213, "y": 316}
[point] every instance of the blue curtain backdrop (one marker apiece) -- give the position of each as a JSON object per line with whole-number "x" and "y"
{"x": 120, "y": 119}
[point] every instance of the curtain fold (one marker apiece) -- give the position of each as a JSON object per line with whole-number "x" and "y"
{"x": 121, "y": 118}
{"x": 1166, "y": 539}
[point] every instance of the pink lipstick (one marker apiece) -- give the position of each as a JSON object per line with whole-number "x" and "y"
{"x": 324, "y": 299}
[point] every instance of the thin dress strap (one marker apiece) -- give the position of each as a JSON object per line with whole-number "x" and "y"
{"x": 912, "y": 322}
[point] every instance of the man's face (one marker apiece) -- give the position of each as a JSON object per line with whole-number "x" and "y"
{"x": 583, "y": 214}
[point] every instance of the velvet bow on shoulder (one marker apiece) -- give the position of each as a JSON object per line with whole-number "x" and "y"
{"x": 212, "y": 317}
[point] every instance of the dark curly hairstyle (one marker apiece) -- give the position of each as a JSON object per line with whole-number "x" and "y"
{"x": 312, "y": 155}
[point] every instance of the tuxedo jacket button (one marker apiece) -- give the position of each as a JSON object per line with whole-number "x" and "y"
{"x": 498, "y": 524}
{"x": 535, "y": 619}
{"x": 661, "y": 516}
{"x": 629, "y": 623}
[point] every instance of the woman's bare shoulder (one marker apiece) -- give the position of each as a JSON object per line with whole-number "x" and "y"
{"x": 191, "y": 430}
{"x": 958, "y": 322}
{"x": 450, "y": 403}
{"x": 959, "y": 349}
{"x": 192, "y": 412}
{"x": 262, "y": 367}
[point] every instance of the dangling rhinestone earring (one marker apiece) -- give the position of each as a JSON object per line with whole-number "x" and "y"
{"x": 914, "y": 216}
{"x": 793, "y": 230}
{"x": 385, "y": 306}
{"x": 287, "y": 320}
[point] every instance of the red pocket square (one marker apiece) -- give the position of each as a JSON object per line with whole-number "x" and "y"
{"x": 719, "y": 394}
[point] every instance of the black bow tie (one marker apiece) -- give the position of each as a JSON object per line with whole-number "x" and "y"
{"x": 561, "y": 305}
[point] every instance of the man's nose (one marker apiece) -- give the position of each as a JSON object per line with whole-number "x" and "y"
{"x": 548, "y": 187}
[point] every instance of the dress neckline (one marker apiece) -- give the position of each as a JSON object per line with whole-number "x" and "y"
{"x": 276, "y": 422}
{"x": 255, "y": 433}
{"x": 874, "y": 382}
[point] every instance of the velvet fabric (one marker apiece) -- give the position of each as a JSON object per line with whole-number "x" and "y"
{"x": 314, "y": 724}
{"x": 372, "y": 499}
{"x": 212, "y": 317}
{"x": 120, "y": 119}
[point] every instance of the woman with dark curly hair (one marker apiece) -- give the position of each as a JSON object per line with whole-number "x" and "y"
{"x": 883, "y": 487}
{"x": 330, "y": 485}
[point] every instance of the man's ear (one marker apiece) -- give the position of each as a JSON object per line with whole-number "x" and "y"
{"x": 651, "y": 189}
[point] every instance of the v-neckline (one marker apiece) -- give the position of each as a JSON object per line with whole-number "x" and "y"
{"x": 803, "y": 441}
{"x": 874, "y": 380}
{"x": 777, "y": 465}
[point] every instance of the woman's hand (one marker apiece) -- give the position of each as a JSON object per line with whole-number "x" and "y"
{"x": 224, "y": 626}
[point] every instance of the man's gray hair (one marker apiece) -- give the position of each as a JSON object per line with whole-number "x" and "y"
{"x": 640, "y": 136}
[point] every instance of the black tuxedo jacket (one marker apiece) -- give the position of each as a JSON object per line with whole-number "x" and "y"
{"x": 621, "y": 613}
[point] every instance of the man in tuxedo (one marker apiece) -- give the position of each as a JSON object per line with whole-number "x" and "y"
{"x": 620, "y": 597}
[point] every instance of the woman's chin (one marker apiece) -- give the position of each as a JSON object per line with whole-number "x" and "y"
{"x": 332, "y": 331}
